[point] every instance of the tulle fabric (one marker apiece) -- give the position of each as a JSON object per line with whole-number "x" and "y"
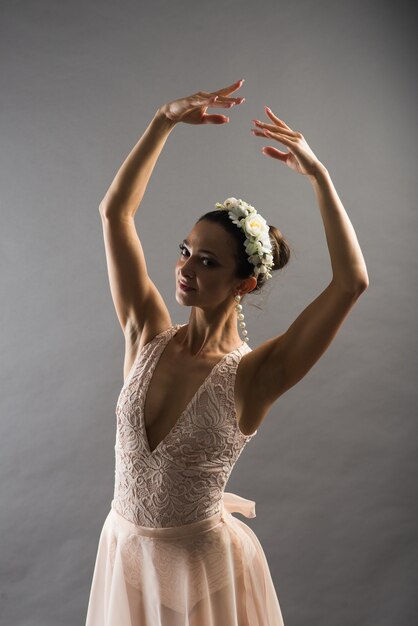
{"x": 212, "y": 572}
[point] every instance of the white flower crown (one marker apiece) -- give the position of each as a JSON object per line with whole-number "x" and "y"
{"x": 257, "y": 244}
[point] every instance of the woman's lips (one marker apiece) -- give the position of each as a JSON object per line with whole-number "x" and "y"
{"x": 184, "y": 287}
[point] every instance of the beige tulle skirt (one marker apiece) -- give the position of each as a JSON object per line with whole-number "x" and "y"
{"x": 208, "y": 573}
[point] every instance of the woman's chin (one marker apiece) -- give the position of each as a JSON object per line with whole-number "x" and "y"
{"x": 182, "y": 298}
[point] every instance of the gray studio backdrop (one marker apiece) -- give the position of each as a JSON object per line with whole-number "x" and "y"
{"x": 333, "y": 466}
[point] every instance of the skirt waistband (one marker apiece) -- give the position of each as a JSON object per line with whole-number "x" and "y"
{"x": 230, "y": 502}
{"x": 168, "y": 531}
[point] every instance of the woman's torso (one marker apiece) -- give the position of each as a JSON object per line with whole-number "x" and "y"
{"x": 179, "y": 475}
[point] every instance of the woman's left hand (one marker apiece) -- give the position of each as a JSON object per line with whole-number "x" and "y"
{"x": 300, "y": 157}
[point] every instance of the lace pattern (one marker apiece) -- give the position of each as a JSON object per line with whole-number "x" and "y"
{"x": 182, "y": 480}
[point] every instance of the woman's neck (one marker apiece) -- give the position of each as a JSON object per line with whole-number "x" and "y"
{"x": 212, "y": 336}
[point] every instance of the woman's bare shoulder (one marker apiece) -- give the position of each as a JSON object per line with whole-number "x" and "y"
{"x": 135, "y": 340}
{"x": 252, "y": 403}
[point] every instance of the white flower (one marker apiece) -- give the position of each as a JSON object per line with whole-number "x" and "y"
{"x": 230, "y": 203}
{"x": 266, "y": 247}
{"x": 254, "y": 224}
{"x": 240, "y": 211}
{"x": 234, "y": 218}
{"x": 264, "y": 238}
{"x": 254, "y": 259}
{"x": 251, "y": 246}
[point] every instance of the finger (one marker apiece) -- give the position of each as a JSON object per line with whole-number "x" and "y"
{"x": 286, "y": 139}
{"x": 280, "y": 136}
{"x": 257, "y": 132}
{"x": 275, "y": 118}
{"x": 215, "y": 119}
{"x": 228, "y": 99}
{"x": 226, "y": 102}
{"x": 273, "y": 127}
{"x": 227, "y": 90}
{"x": 210, "y": 100}
{"x": 276, "y": 154}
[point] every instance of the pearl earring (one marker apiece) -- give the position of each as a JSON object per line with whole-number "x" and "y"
{"x": 240, "y": 315}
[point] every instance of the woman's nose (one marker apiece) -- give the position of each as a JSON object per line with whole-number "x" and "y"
{"x": 187, "y": 268}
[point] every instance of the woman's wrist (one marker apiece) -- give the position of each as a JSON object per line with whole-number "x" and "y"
{"x": 162, "y": 121}
{"x": 320, "y": 174}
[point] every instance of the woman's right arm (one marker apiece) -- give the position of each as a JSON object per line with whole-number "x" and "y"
{"x": 136, "y": 299}
{"x": 129, "y": 185}
{"x": 141, "y": 310}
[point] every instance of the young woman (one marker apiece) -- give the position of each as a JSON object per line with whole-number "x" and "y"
{"x": 170, "y": 552}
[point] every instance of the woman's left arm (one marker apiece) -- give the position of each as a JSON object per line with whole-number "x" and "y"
{"x": 349, "y": 271}
{"x": 281, "y": 362}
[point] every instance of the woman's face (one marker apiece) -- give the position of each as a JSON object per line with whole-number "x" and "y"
{"x": 206, "y": 264}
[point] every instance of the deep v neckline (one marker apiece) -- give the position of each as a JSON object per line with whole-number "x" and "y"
{"x": 185, "y": 411}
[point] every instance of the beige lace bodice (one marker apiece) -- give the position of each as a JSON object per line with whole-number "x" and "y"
{"x": 182, "y": 480}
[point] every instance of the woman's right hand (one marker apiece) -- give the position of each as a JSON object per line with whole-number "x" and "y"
{"x": 192, "y": 109}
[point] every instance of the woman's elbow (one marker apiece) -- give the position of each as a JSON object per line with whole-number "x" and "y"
{"x": 361, "y": 285}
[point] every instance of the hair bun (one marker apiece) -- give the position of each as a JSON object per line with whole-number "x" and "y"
{"x": 281, "y": 248}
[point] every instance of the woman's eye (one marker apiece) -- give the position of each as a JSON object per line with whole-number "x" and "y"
{"x": 205, "y": 260}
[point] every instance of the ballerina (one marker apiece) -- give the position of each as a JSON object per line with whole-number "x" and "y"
{"x": 170, "y": 552}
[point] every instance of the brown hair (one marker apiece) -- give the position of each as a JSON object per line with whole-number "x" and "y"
{"x": 280, "y": 247}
